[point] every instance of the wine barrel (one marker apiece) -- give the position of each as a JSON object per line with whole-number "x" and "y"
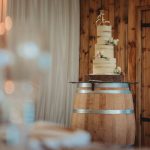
{"x": 106, "y": 111}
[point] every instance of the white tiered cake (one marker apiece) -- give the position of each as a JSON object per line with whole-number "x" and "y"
{"x": 104, "y": 62}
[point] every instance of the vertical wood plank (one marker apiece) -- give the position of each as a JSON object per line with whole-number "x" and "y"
{"x": 84, "y": 39}
{"x": 3, "y": 13}
{"x": 94, "y": 11}
{"x": 131, "y": 41}
{"x": 116, "y": 23}
{"x": 132, "y": 46}
{"x": 120, "y": 27}
{"x": 111, "y": 14}
{"x": 122, "y": 15}
{"x": 138, "y": 77}
{"x": 131, "y": 50}
{"x": 145, "y": 77}
{"x": 138, "y": 2}
{"x": 105, "y": 5}
{"x": 144, "y": 2}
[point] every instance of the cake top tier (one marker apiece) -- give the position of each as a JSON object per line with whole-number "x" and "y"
{"x": 100, "y": 19}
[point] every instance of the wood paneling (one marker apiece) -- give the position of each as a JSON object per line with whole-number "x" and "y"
{"x": 145, "y": 83}
{"x": 84, "y": 39}
{"x": 121, "y": 28}
{"x": 123, "y": 25}
{"x": 131, "y": 41}
{"x": 138, "y": 76}
{"x": 105, "y": 127}
{"x": 93, "y": 13}
{"x": 123, "y": 16}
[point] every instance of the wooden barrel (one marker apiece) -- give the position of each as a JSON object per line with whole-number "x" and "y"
{"x": 106, "y": 111}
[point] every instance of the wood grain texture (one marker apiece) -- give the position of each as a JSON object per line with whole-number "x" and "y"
{"x": 93, "y": 13}
{"x": 120, "y": 32}
{"x": 106, "y": 78}
{"x": 131, "y": 41}
{"x": 111, "y": 8}
{"x": 105, "y": 128}
{"x": 84, "y": 38}
{"x": 144, "y": 2}
{"x": 145, "y": 80}
{"x": 123, "y": 16}
{"x": 138, "y": 78}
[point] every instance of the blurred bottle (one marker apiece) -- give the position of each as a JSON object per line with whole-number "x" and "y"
{"x": 29, "y": 111}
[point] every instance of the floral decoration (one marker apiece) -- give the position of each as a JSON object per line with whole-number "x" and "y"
{"x": 100, "y": 54}
{"x": 112, "y": 41}
{"x": 117, "y": 70}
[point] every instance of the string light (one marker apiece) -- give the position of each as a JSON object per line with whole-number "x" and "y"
{"x": 2, "y": 28}
{"x": 8, "y": 23}
{"x": 5, "y": 21}
{"x": 9, "y": 87}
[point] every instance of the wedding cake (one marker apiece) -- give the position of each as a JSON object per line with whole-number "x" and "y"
{"x": 104, "y": 62}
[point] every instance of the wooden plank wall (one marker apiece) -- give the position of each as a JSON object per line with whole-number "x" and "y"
{"x": 123, "y": 17}
{"x": 145, "y": 80}
{"x": 122, "y": 14}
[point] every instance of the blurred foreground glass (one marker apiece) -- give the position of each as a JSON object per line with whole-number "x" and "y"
{"x": 5, "y": 21}
{"x": 21, "y": 75}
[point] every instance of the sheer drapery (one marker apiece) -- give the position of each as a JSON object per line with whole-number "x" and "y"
{"x": 54, "y": 26}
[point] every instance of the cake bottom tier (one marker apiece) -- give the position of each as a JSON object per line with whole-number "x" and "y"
{"x": 104, "y": 67}
{"x": 103, "y": 71}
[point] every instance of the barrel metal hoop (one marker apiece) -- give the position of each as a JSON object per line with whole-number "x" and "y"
{"x": 105, "y": 112}
{"x": 104, "y": 92}
{"x": 85, "y": 85}
{"x": 111, "y": 85}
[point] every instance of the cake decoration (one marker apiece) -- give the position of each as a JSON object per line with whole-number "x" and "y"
{"x": 117, "y": 70}
{"x": 100, "y": 19}
{"x": 100, "y": 54}
{"x": 104, "y": 62}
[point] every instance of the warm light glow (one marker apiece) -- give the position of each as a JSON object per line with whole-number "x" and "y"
{"x": 5, "y": 21}
{"x": 8, "y": 23}
{"x": 44, "y": 61}
{"x": 2, "y": 28}
{"x": 6, "y": 58}
{"x": 9, "y": 87}
{"x": 28, "y": 50}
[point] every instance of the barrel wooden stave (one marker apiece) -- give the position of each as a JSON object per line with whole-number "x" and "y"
{"x": 106, "y": 128}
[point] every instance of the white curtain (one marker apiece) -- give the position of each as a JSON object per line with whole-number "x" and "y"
{"x": 54, "y": 26}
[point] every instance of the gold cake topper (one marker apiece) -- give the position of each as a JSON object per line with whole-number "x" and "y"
{"x": 100, "y": 19}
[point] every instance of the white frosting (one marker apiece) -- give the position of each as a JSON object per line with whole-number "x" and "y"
{"x": 102, "y": 66}
{"x": 101, "y": 61}
{"x": 99, "y": 46}
{"x": 101, "y": 28}
{"x": 105, "y": 34}
{"x": 103, "y": 70}
{"x": 103, "y": 40}
{"x": 106, "y": 52}
{"x": 107, "y": 65}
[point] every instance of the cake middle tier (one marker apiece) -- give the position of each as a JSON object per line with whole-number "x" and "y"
{"x": 106, "y": 50}
{"x": 105, "y": 34}
{"x": 103, "y": 28}
{"x": 103, "y": 66}
{"x": 103, "y": 40}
